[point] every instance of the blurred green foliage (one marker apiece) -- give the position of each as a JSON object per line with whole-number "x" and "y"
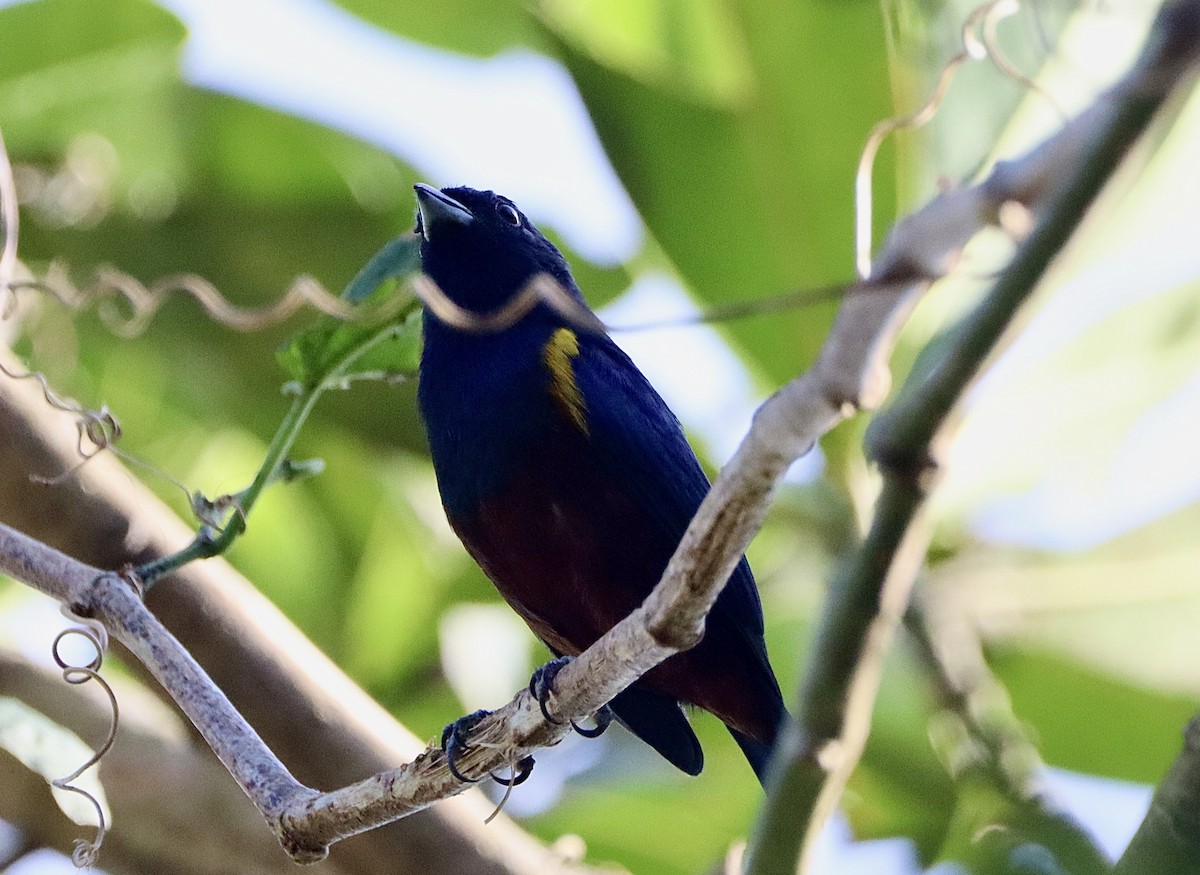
{"x": 735, "y": 127}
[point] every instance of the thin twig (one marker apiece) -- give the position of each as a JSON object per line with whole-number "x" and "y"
{"x": 96, "y": 594}
{"x": 87, "y": 853}
{"x": 143, "y": 302}
{"x": 987, "y": 750}
{"x": 992, "y": 743}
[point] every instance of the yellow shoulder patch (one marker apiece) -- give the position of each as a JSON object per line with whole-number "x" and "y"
{"x": 557, "y": 354}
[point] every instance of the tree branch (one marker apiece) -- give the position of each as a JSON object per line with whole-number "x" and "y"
{"x": 1169, "y": 838}
{"x": 165, "y": 790}
{"x": 297, "y": 699}
{"x": 992, "y": 743}
{"x": 820, "y": 748}
{"x": 849, "y": 375}
{"x": 995, "y": 764}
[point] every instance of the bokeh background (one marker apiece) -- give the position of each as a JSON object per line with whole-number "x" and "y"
{"x": 686, "y": 154}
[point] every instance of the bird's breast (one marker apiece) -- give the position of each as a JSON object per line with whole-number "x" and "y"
{"x": 565, "y": 542}
{"x": 492, "y": 402}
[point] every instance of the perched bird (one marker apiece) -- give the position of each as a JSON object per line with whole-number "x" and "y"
{"x": 569, "y": 480}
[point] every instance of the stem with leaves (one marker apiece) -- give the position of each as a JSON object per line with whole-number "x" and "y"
{"x": 325, "y": 357}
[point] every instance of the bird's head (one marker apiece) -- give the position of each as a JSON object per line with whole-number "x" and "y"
{"x": 480, "y": 249}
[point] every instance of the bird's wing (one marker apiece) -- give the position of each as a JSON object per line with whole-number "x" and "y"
{"x": 643, "y": 444}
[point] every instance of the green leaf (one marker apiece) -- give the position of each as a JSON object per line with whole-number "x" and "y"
{"x": 1068, "y": 637}
{"x": 691, "y": 832}
{"x": 348, "y": 350}
{"x": 93, "y": 84}
{"x": 335, "y": 349}
{"x": 690, "y": 46}
{"x": 476, "y": 27}
{"x": 396, "y": 260}
{"x": 61, "y": 32}
{"x": 263, "y": 155}
{"x": 746, "y": 185}
{"x": 1089, "y": 721}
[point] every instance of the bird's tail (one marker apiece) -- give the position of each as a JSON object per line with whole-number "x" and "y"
{"x": 660, "y": 722}
{"x": 758, "y": 753}
{"x": 758, "y": 750}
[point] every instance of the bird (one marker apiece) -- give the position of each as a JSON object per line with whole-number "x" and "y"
{"x": 569, "y": 480}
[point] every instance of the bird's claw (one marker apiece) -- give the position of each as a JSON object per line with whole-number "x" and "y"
{"x": 521, "y": 771}
{"x": 454, "y": 742}
{"x": 541, "y": 685}
{"x": 455, "y": 745}
{"x": 604, "y": 718}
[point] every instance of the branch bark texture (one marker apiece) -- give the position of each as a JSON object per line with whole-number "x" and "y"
{"x": 1169, "y": 838}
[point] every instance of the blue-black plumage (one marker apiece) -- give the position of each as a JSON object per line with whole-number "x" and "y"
{"x": 570, "y": 481}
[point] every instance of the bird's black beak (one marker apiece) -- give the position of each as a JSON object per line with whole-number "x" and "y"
{"x": 436, "y": 210}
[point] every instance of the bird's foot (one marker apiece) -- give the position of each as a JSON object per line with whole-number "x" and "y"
{"x": 541, "y": 685}
{"x": 604, "y": 718}
{"x": 520, "y": 772}
{"x": 455, "y": 745}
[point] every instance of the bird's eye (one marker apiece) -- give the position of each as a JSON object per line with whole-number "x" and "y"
{"x": 509, "y": 214}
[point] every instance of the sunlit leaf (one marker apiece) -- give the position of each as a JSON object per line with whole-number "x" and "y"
{"x": 1064, "y": 702}
{"x": 86, "y": 94}
{"x": 479, "y": 27}
{"x": 692, "y": 46}
{"x": 54, "y": 752}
